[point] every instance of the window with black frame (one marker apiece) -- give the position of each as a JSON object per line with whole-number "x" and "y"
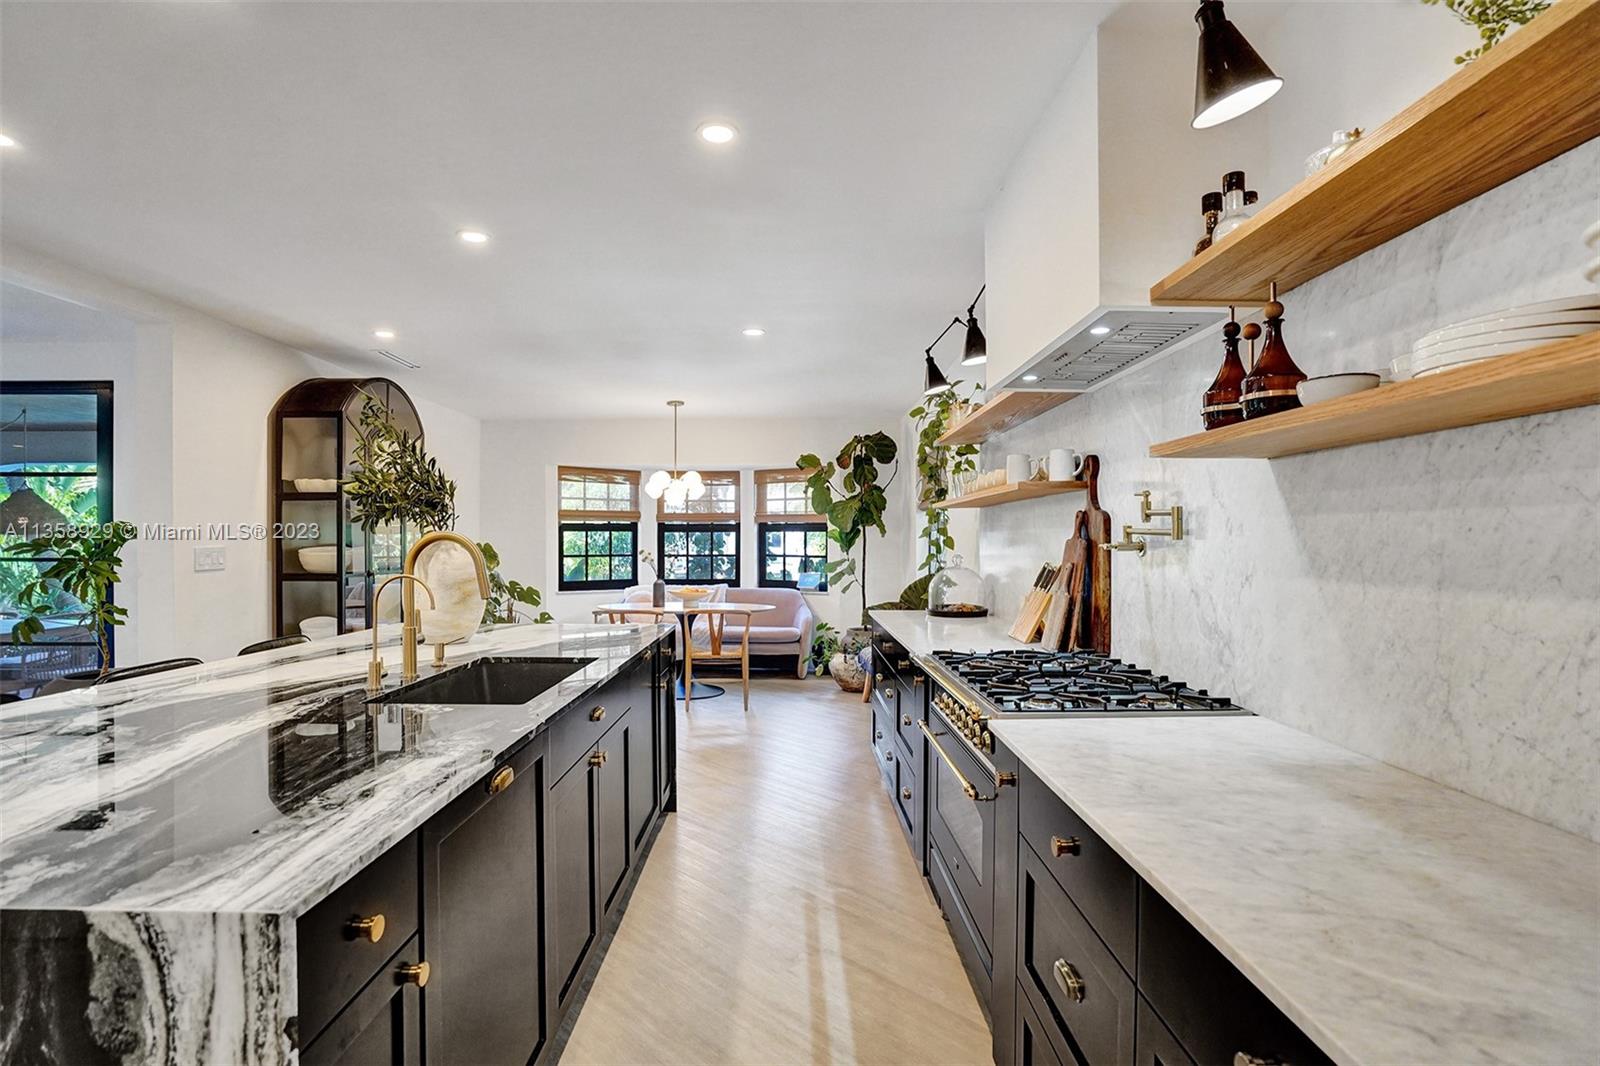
{"x": 55, "y": 469}
{"x": 793, "y": 537}
{"x": 698, "y": 540}
{"x": 597, "y": 529}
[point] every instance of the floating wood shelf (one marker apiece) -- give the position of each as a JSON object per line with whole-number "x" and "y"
{"x": 1549, "y": 378}
{"x": 1524, "y": 103}
{"x": 1003, "y": 411}
{"x": 1022, "y": 490}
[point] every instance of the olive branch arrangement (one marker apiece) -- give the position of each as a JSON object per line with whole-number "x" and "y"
{"x": 1493, "y": 19}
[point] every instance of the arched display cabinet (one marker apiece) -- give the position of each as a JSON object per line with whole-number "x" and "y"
{"x": 315, "y": 429}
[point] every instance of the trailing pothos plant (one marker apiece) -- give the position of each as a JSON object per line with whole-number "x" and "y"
{"x": 394, "y": 479}
{"x": 855, "y": 505}
{"x": 937, "y": 466}
{"x": 504, "y": 595}
{"x": 1493, "y": 19}
{"x": 83, "y": 562}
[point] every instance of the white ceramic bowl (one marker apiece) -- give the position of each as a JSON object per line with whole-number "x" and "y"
{"x": 1332, "y": 386}
{"x": 316, "y": 484}
{"x": 690, "y": 596}
{"x": 319, "y": 626}
{"x": 322, "y": 558}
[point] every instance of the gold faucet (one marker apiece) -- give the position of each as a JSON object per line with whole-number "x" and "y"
{"x": 408, "y": 631}
{"x": 409, "y": 595}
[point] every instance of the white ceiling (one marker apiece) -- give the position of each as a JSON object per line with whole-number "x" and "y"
{"x": 302, "y": 169}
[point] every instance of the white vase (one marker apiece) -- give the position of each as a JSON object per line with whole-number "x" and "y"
{"x": 450, "y": 572}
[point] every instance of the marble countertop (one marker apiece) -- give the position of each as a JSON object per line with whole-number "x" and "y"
{"x": 922, "y": 634}
{"x": 1392, "y": 918}
{"x": 256, "y": 784}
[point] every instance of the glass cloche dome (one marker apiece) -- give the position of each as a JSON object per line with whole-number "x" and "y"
{"x": 956, "y": 592}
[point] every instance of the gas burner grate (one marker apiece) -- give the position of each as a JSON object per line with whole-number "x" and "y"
{"x": 1027, "y": 680}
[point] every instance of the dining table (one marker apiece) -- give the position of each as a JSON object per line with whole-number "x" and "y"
{"x": 685, "y": 614}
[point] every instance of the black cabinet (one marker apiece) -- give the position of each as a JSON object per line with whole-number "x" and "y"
{"x": 382, "y": 1026}
{"x": 573, "y": 917}
{"x": 613, "y": 764}
{"x": 481, "y": 881}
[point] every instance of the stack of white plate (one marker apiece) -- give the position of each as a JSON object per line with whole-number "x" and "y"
{"x": 1503, "y": 332}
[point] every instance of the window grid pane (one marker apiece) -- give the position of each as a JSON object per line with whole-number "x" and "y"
{"x": 597, "y": 555}
{"x": 791, "y": 552}
{"x": 699, "y": 552}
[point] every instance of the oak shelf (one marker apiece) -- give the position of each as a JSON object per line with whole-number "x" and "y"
{"x": 1022, "y": 490}
{"x": 1003, "y": 411}
{"x": 1552, "y": 377}
{"x": 1524, "y": 103}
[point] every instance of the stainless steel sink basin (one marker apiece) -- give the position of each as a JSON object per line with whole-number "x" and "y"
{"x": 505, "y": 681}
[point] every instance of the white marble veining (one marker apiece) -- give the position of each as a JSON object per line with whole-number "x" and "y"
{"x": 1393, "y": 919}
{"x": 1430, "y": 601}
{"x": 922, "y": 634}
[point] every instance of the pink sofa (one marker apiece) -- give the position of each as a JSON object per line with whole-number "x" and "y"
{"x": 784, "y": 631}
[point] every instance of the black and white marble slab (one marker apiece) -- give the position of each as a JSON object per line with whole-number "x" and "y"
{"x": 164, "y": 833}
{"x": 1394, "y": 919}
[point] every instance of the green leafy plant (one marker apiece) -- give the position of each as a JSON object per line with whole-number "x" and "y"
{"x": 82, "y": 563}
{"x": 824, "y": 643}
{"x": 855, "y": 505}
{"x": 914, "y": 597}
{"x": 504, "y": 595}
{"x": 394, "y": 479}
{"x": 1493, "y": 19}
{"x": 937, "y": 466}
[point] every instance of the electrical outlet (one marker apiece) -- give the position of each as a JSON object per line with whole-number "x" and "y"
{"x": 209, "y": 559}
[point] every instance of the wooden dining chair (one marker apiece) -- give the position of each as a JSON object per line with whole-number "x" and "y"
{"x": 713, "y": 651}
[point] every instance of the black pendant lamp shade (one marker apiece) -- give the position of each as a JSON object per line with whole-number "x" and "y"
{"x": 934, "y": 381}
{"x": 1230, "y": 78}
{"x": 976, "y": 352}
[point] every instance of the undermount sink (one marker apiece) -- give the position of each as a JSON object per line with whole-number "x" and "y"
{"x": 496, "y": 681}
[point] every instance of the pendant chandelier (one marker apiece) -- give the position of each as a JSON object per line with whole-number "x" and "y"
{"x": 677, "y": 488}
{"x": 25, "y": 513}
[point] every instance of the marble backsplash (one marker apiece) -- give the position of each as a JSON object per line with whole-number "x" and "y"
{"x": 1433, "y": 602}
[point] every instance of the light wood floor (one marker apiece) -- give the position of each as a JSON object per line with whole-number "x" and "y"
{"x": 780, "y": 917}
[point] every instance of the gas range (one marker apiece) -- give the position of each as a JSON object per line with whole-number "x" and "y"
{"x": 974, "y": 687}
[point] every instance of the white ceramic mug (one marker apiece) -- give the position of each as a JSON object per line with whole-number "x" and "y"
{"x": 1016, "y": 468}
{"x": 1064, "y": 464}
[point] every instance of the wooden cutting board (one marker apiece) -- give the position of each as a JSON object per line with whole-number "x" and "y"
{"x": 1096, "y": 627}
{"x": 1068, "y": 578}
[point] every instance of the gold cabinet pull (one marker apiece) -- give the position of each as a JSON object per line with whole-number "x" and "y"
{"x": 1060, "y": 846}
{"x": 967, "y": 786}
{"x": 1071, "y": 984}
{"x": 597, "y": 758}
{"x": 905, "y": 793}
{"x": 905, "y": 719}
{"x": 597, "y": 714}
{"x": 412, "y": 973}
{"x": 370, "y": 929}
{"x": 501, "y": 780}
{"x": 878, "y": 678}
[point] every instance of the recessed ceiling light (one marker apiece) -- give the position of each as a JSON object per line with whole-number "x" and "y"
{"x": 383, "y": 334}
{"x": 7, "y": 142}
{"x": 1100, "y": 331}
{"x": 1030, "y": 377}
{"x": 754, "y": 331}
{"x": 717, "y": 132}
{"x": 473, "y": 236}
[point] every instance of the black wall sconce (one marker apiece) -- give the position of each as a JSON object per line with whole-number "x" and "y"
{"x": 1230, "y": 78}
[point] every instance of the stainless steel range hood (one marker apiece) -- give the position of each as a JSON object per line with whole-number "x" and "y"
{"x": 1081, "y": 359}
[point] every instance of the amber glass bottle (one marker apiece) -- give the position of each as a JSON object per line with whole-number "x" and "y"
{"x": 1221, "y": 406}
{"x": 1270, "y": 385}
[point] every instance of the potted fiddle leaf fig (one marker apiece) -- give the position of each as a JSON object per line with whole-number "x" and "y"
{"x": 855, "y": 504}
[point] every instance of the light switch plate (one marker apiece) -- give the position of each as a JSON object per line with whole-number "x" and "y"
{"x": 209, "y": 559}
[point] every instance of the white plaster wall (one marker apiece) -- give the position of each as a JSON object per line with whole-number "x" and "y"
{"x": 519, "y": 474}
{"x": 1430, "y": 601}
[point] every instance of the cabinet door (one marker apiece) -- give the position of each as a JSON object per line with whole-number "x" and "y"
{"x": 573, "y": 920}
{"x": 613, "y": 828}
{"x": 380, "y": 1027}
{"x": 643, "y": 742}
{"x": 481, "y": 858}
{"x": 1033, "y": 1047}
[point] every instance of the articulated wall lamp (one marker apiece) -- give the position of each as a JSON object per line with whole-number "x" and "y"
{"x": 974, "y": 353}
{"x": 1230, "y": 78}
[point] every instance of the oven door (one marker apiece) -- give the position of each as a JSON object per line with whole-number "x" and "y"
{"x": 962, "y": 826}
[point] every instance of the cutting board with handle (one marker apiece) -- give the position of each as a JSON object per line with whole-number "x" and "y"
{"x": 1095, "y": 628}
{"x": 1069, "y": 580}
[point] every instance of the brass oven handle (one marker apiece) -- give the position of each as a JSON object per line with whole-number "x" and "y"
{"x": 968, "y": 787}
{"x": 1071, "y": 984}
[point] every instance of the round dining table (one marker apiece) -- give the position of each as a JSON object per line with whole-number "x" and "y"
{"x": 685, "y": 614}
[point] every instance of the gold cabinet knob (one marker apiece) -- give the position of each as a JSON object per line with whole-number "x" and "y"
{"x": 597, "y": 758}
{"x": 905, "y": 793}
{"x": 501, "y": 780}
{"x": 597, "y": 714}
{"x": 370, "y": 929}
{"x": 905, "y": 719}
{"x": 878, "y": 678}
{"x": 1060, "y": 846}
{"x": 412, "y": 973}
{"x": 1071, "y": 984}
{"x": 878, "y": 734}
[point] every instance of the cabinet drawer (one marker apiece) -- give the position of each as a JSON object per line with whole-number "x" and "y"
{"x": 1211, "y": 1008}
{"x": 335, "y": 956}
{"x": 909, "y": 712}
{"x": 1064, "y": 964}
{"x": 907, "y": 795}
{"x": 1153, "y": 1042}
{"x": 1104, "y": 887}
{"x": 1033, "y": 1047}
{"x": 381, "y": 1025}
{"x": 579, "y": 726}
{"x": 883, "y": 746}
{"x": 886, "y": 701}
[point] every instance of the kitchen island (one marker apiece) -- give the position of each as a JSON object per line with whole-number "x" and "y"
{"x": 248, "y": 860}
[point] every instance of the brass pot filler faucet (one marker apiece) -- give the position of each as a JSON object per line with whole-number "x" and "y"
{"x": 1146, "y": 513}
